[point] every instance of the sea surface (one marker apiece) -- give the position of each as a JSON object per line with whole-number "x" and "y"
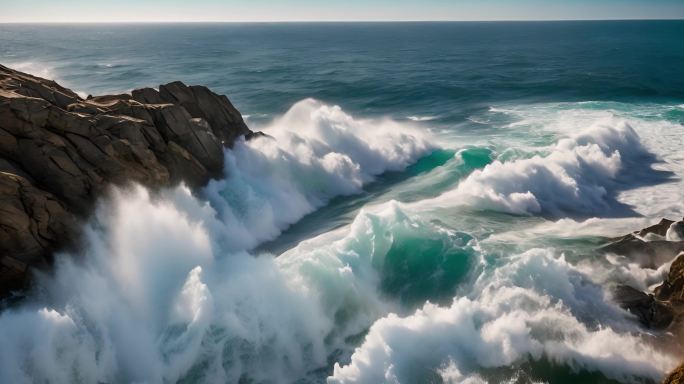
{"x": 426, "y": 210}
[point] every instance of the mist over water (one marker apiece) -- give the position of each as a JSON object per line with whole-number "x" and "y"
{"x": 390, "y": 229}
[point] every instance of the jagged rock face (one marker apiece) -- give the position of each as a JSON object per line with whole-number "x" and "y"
{"x": 650, "y": 246}
{"x": 672, "y": 288}
{"x": 663, "y": 309}
{"x": 225, "y": 121}
{"x": 59, "y": 152}
{"x": 651, "y": 313}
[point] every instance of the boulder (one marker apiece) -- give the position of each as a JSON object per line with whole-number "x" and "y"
{"x": 59, "y": 153}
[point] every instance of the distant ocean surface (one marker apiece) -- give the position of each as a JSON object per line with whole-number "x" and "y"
{"x": 428, "y": 212}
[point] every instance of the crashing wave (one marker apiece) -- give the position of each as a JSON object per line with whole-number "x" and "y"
{"x": 579, "y": 177}
{"x": 315, "y": 152}
{"x": 530, "y": 310}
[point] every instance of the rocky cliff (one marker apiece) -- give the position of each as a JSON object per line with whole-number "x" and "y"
{"x": 663, "y": 308}
{"x": 59, "y": 152}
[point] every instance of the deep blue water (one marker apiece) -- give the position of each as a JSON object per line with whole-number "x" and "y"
{"x": 448, "y": 70}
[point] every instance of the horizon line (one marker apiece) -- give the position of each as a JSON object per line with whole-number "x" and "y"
{"x": 325, "y": 21}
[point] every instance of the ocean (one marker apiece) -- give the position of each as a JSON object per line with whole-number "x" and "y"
{"x": 429, "y": 211}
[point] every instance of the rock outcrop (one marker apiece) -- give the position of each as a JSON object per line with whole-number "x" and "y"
{"x": 59, "y": 152}
{"x": 662, "y": 309}
{"x": 652, "y": 247}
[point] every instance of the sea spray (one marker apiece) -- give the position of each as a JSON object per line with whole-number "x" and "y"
{"x": 163, "y": 289}
{"x": 529, "y": 309}
{"x": 155, "y": 298}
{"x": 311, "y": 154}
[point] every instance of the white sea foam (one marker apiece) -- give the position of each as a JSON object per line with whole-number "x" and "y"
{"x": 577, "y": 177}
{"x": 164, "y": 289}
{"x": 33, "y": 68}
{"x": 315, "y": 152}
{"x": 526, "y": 310}
{"x": 657, "y": 132}
{"x": 156, "y": 298}
{"x": 43, "y": 70}
{"x": 422, "y": 118}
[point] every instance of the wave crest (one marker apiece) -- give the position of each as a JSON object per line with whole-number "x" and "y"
{"x": 579, "y": 177}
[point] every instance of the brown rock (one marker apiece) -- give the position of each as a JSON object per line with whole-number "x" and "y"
{"x": 58, "y": 153}
{"x": 32, "y": 221}
{"x": 651, "y": 253}
{"x": 651, "y": 313}
{"x": 217, "y": 110}
{"x": 672, "y": 288}
{"x": 676, "y": 376}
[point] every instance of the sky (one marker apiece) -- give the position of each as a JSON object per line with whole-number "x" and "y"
{"x": 332, "y": 10}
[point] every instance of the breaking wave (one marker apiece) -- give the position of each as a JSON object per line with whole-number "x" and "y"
{"x": 312, "y": 154}
{"x": 579, "y": 177}
{"x": 168, "y": 288}
{"x": 535, "y": 308}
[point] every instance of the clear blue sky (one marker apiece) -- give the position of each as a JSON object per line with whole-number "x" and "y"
{"x": 333, "y": 10}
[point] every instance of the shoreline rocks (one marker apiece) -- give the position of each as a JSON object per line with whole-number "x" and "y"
{"x": 59, "y": 153}
{"x": 662, "y": 309}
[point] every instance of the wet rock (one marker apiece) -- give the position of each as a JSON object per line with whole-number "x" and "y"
{"x": 672, "y": 288}
{"x": 59, "y": 153}
{"x": 676, "y": 376}
{"x": 651, "y": 313}
{"x": 649, "y": 246}
{"x": 664, "y": 308}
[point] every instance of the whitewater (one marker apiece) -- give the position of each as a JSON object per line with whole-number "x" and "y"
{"x": 173, "y": 286}
{"x": 425, "y": 206}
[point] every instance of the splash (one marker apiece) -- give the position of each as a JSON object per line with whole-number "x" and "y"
{"x": 166, "y": 289}
{"x": 314, "y": 153}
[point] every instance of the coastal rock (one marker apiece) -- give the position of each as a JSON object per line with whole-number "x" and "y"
{"x": 220, "y": 114}
{"x": 664, "y": 307}
{"x": 651, "y": 313}
{"x": 672, "y": 288}
{"x": 649, "y": 247}
{"x": 676, "y": 376}
{"x": 31, "y": 222}
{"x": 59, "y": 152}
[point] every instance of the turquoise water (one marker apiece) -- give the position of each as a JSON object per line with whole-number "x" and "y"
{"x": 429, "y": 210}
